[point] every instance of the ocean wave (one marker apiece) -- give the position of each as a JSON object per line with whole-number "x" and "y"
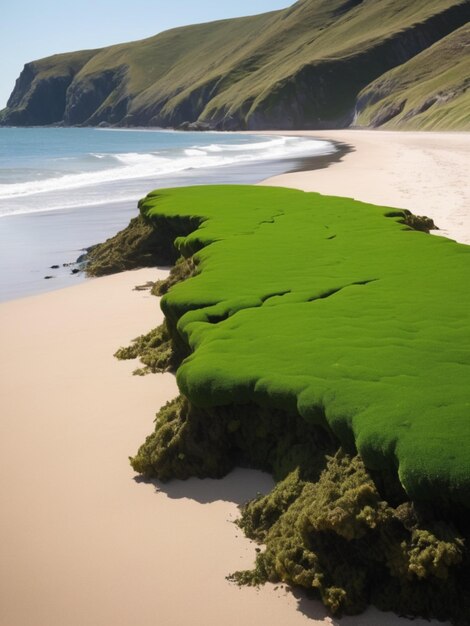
{"x": 262, "y": 145}
{"x": 134, "y": 165}
{"x": 69, "y": 202}
{"x": 195, "y": 152}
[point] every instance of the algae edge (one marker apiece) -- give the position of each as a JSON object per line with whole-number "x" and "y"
{"x": 329, "y": 526}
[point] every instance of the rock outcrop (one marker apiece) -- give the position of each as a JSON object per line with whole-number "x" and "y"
{"x": 40, "y": 93}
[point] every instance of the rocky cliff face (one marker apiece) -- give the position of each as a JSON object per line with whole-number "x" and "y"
{"x": 258, "y": 81}
{"x": 397, "y": 99}
{"x": 95, "y": 98}
{"x": 40, "y": 93}
{"x": 37, "y": 100}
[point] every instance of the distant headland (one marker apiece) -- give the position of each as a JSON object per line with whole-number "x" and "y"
{"x": 315, "y": 65}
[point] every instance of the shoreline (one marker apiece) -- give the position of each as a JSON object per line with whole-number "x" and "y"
{"x": 33, "y": 244}
{"x": 70, "y": 496}
{"x": 322, "y": 161}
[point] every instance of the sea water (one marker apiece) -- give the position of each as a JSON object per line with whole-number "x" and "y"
{"x": 64, "y": 189}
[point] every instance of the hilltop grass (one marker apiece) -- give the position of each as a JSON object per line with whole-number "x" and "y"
{"x": 325, "y": 343}
{"x": 255, "y": 54}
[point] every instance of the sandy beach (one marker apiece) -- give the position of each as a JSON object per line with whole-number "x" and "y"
{"x": 426, "y": 173}
{"x": 84, "y": 542}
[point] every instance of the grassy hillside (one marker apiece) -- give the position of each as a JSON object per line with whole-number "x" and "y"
{"x": 298, "y": 67}
{"x": 431, "y": 89}
{"x": 325, "y": 342}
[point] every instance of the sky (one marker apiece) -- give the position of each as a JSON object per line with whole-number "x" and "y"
{"x": 33, "y": 29}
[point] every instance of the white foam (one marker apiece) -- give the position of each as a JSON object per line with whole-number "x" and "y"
{"x": 135, "y": 158}
{"x": 195, "y": 152}
{"x": 135, "y": 165}
{"x": 270, "y": 143}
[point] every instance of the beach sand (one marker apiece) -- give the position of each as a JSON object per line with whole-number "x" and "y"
{"x": 83, "y": 542}
{"x": 427, "y": 173}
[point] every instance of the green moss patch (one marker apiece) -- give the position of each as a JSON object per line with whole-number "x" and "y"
{"x": 325, "y": 341}
{"x": 190, "y": 441}
{"x": 324, "y": 307}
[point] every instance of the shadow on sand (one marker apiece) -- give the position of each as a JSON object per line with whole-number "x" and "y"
{"x": 239, "y": 486}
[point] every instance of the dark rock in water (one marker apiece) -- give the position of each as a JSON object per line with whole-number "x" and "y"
{"x": 48, "y": 277}
{"x": 83, "y": 258}
{"x": 54, "y": 267}
{"x": 75, "y": 271}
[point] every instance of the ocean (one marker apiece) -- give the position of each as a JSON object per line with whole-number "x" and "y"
{"x": 64, "y": 189}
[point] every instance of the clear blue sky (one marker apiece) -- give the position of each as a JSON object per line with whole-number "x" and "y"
{"x": 32, "y": 29}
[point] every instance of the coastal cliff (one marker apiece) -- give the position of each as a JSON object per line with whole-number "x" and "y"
{"x": 318, "y": 64}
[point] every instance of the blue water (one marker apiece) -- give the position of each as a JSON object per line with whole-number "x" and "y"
{"x": 63, "y": 189}
{"x": 56, "y": 168}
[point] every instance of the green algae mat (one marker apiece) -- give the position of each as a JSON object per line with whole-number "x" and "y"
{"x": 333, "y": 310}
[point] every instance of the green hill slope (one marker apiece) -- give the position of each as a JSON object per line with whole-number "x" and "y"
{"x": 428, "y": 91}
{"x": 301, "y": 67}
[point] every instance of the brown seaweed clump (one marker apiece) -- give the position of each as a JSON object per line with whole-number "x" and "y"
{"x": 325, "y": 526}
